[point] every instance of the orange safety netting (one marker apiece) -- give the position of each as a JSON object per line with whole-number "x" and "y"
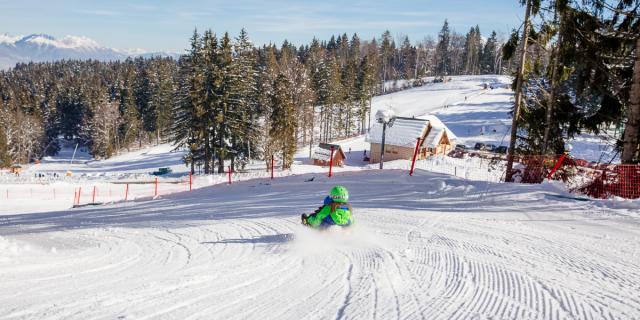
{"x": 595, "y": 180}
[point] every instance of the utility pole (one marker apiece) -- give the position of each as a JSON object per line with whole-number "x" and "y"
{"x": 518, "y": 97}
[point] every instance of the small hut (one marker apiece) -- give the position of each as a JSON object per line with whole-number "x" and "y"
{"x": 400, "y": 142}
{"x": 322, "y": 154}
{"x": 16, "y": 169}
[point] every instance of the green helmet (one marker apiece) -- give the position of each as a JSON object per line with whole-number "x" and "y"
{"x": 339, "y": 194}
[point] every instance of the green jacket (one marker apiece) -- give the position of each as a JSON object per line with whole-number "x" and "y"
{"x": 340, "y": 216}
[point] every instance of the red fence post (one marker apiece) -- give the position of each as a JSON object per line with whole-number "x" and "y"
{"x": 272, "y": 162}
{"x": 79, "y": 193}
{"x": 558, "y": 164}
{"x": 331, "y": 163}
{"x": 415, "y": 154}
{"x": 126, "y": 192}
{"x": 229, "y": 174}
{"x": 156, "y": 191}
{"x": 93, "y": 197}
{"x": 190, "y": 181}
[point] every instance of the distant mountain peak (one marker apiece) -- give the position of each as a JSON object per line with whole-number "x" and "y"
{"x": 41, "y": 47}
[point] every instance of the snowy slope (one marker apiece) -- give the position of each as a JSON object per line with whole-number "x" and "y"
{"x": 428, "y": 246}
{"x": 475, "y": 114}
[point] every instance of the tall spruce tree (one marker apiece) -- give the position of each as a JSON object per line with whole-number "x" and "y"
{"x": 488, "y": 56}
{"x": 283, "y": 123}
{"x": 5, "y": 158}
{"x": 443, "y": 59}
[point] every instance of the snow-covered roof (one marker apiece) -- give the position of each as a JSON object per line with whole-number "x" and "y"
{"x": 323, "y": 152}
{"x": 437, "y": 131}
{"x": 405, "y": 131}
{"x": 434, "y": 136}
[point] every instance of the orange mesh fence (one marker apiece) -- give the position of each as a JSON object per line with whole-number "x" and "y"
{"x": 621, "y": 180}
{"x": 592, "y": 179}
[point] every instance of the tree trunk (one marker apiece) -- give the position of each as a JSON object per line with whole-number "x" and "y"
{"x": 207, "y": 154}
{"x": 631, "y": 142}
{"x": 221, "y": 153}
{"x": 518, "y": 97}
{"x": 552, "y": 94}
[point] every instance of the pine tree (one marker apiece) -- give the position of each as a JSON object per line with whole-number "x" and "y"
{"x": 5, "y": 158}
{"x": 211, "y": 99}
{"x": 407, "y": 59}
{"x": 488, "y": 57}
{"x": 472, "y": 51}
{"x": 268, "y": 71}
{"x": 443, "y": 60}
{"x": 283, "y": 124}
{"x": 131, "y": 126}
{"x": 190, "y": 122}
{"x": 387, "y": 49}
{"x": 243, "y": 118}
{"x": 162, "y": 92}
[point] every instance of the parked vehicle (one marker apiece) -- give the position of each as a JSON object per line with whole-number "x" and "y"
{"x": 502, "y": 150}
{"x": 162, "y": 171}
{"x": 456, "y": 153}
{"x": 490, "y": 147}
{"x": 479, "y": 146}
{"x": 461, "y": 147}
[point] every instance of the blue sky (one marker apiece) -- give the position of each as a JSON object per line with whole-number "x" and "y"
{"x": 167, "y": 24}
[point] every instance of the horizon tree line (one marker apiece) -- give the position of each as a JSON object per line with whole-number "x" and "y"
{"x": 225, "y": 99}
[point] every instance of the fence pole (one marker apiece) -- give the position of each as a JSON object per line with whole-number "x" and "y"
{"x": 190, "y": 181}
{"x": 156, "y": 191}
{"x": 331, "y": 163}
{"x": 93, "y": 197}
{"x": 126, "y": 192}
{"x": 415, "y": 154}
{"x": 79, "y": 194}
{"x": 558, "y": 164}
{"x": 272, "y": 162}
{"x": 229, "y": 174}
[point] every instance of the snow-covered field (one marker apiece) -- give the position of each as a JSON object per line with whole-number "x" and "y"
{"x": 426, "y": 247}
{"x": 430, "y": 246}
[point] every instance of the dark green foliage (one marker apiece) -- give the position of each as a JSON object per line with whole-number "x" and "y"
{"x": 584, "y": 83}
{"x": 5, "y": 159}
{"x": 443, "y": 63}
{"x": 283, "y": 124}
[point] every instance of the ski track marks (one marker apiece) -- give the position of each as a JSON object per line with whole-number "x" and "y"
{"x": 423, "y": 258}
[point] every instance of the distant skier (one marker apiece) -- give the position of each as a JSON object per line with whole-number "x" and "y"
{"x": 336, "y": 211}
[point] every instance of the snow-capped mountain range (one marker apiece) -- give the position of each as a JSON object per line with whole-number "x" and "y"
{"x": 43, "y": 47}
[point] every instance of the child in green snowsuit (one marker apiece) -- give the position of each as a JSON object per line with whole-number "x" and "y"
{"x": 338, "y": 212}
